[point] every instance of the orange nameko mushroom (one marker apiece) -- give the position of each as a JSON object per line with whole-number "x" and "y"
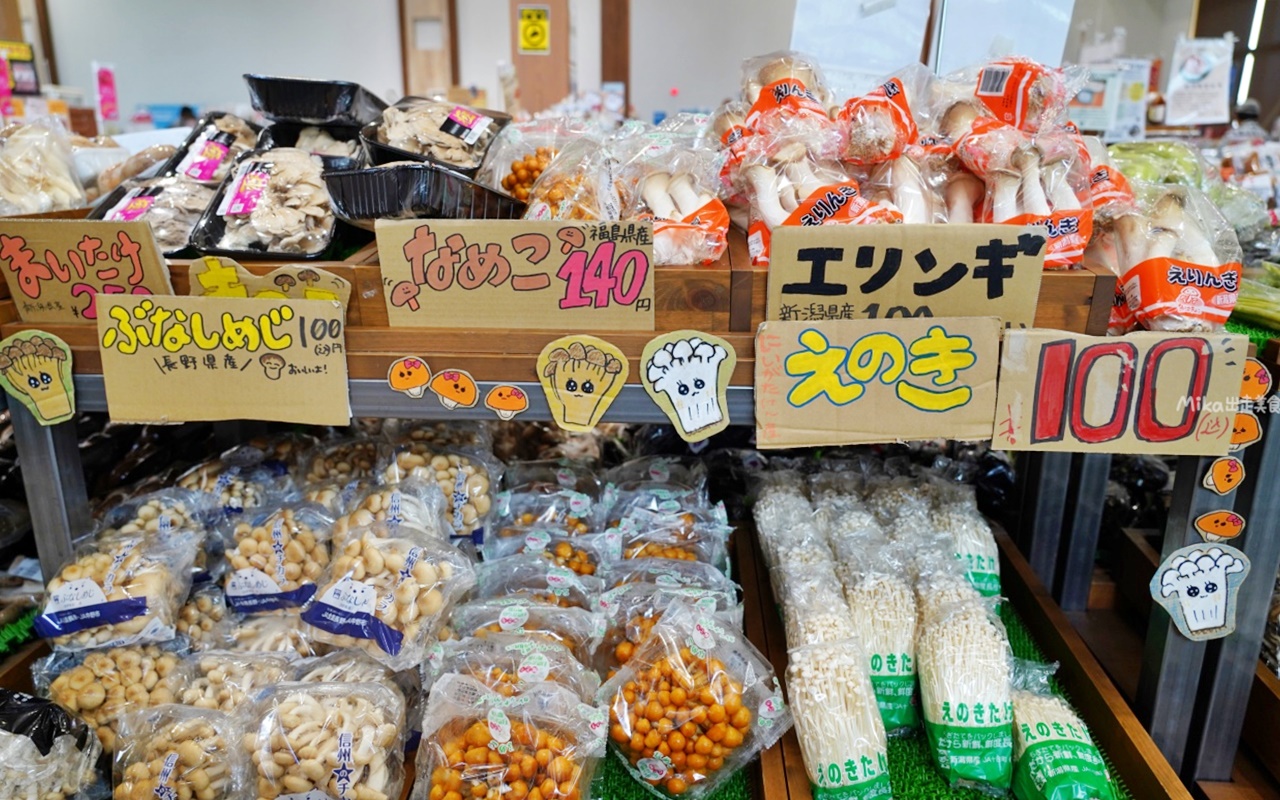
{"x": 409, "y": 375}
{"x": 506, "y": 401}
{"x": 455, "y": 389}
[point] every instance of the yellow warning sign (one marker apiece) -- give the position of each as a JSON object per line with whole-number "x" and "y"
{"x": 535, "y": 30}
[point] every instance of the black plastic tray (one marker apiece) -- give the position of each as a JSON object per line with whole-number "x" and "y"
{"x": 381, "y": 153}
{"x": 210, "y": 227}
{"x": 313, "y": 102}
{"x": 285, "y": 134}
{"x": 171, "y": 166}
{"x": 414, "y": 191}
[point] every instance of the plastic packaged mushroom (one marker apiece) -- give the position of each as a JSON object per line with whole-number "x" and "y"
{"x": 465, "y": 479}
{"x": 1054, "y": 754}
{"x": 174, "y": 751}
{"x": 386, "y": 592}
{"x": 413, "y": 502}
{"x": 535, "y": 578}
{"x": 37, "y": 173}
{"x": 106, "y": 683}
{"x": 344, "y": 666}
{"x": 45, "y": 753}
{"x": 693, "y": 705}
{"x": 342, "y": 461}
{"x": 223, "y": 680}
{"x": 575, "y": 628}
{"x": 523, "y": 150}
{"x": 171, "y": 205}
{"x": 336, "y": 740}
{"x": 271, "y": 634}
{"x": 236, "y": 487}
{"x": 200, "y": 618}
{"x": 451, "y": 134}
{"x": 277, "y": 558}
{"x": 545, "y": 507}
{"x": 221, "y": 140}
{"x": 123, "y": 591}
{"x": 157, "y": 512}
{"x": 510, "y": 663}
{"x": 476, "y": 743}
{"x": 633, "y": 609}
{"x": 584, "y": 554}
{"x": 277, "y": 203}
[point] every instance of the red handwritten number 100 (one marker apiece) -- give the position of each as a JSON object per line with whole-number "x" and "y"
{"x": 602, "y": 277}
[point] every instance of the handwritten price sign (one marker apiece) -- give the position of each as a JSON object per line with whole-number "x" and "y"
{"x": 542, "y": 275}
{"x": 57, "y": 268}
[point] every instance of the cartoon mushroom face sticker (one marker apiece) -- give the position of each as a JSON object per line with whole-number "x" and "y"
{"x": 686, "y": 373}
{"x": 580, "y": 376}
{"x": 272, "y": 364}
{"x": 36, "y": 369}
{"x": 409, "y": 375}
{"x": 455, "y": 388}
{"x": 1197, "y": 586}
{"x": 506, "y": 401}
{"x": 1257, "y": 380}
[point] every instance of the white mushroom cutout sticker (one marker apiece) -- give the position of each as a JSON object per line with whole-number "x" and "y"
{"x": 580, "y": 376}
{"x": 35, "y": 369}
{"x": 1197, "y": 585}
{"x": 687, "y": 373}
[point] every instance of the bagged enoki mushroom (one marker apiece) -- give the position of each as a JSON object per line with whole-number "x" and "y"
{"x": 277, "y": 203}
{"x": 1054, "y": 755}
{"x": 477, "y": 743}
{"x": 342, "y": 461}
{"x": 963, "y": 659}
{"x": 701, "y": 691}
{"x": 220, "y": 142}
{"x": 534, "y": 578}
{"x": 223, "y": 680}
{"x": 577, "y": 629}
{"x": 171, "y": 205}
{"x": 974, "y": 544}
{"x": 174, "y": 751}
{"x": 106, "y": 683}
{"x": 444, "y": 132}
{"x": 277, "y": 558}
{"x": 387, "y": 592}
{"x": 45, "y": 753}
{"x": 509, "y": 663}
{"x": 341, "y": 740}
{"x": 200, "y": 618}
{"x": 1179, "y": 260}
{"x": 838, "y": 724}
{"x": 271, "y": 634}
{"x": 414, "y": 503}
{"x": 466, "y": 479}
{"x": 124, "y": 591}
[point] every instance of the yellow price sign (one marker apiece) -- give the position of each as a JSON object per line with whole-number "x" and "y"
{"x": 535, "y": 30}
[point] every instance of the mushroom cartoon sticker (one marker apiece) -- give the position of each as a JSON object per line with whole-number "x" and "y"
{"x": 409, "y": 375}
{"x": 506, "y": 401}
{"x": 35, "y": 368}
{"x": 1257, "y": 380}
{"x": 455, "y": 388}
{"x": 687, "y": 373}
{"x": 1224, "y": 475}
{"x": 1219, "y": 525}
{"x": 1245, "y": 430}
{"x": 272, "y": 364}
{"x": 581, "y": 376}
{"x": 1197, "y": 585}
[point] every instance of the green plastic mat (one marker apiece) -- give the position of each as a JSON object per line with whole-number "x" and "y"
{"x": 1256, "y": 333}
{"x": 17, "y": 633}
{"x": 910, "y": 766}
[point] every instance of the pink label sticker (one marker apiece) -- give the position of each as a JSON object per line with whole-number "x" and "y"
{"x": 6, "y": 91}
{"x": 205, "y": 164}
{"x": 131, "y": 207}
{"x": 108, "y": 106}
{"x": 248, "y": 190}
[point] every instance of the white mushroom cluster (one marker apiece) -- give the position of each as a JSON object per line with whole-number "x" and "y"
{"x": 221, "y": 681}
{"x": 425, "y": 128}
{"x": 291, "y": 213}
{"x": 37, "y": 173}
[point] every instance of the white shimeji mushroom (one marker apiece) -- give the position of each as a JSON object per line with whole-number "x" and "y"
{"x": 687, "y": 372}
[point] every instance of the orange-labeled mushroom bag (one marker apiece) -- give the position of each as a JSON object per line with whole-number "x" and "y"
{"x": 694, "y": 704}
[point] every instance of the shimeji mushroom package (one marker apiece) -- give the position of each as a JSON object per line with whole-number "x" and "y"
{"x": 277, "y": 558}
{"x": 178, "y": 751}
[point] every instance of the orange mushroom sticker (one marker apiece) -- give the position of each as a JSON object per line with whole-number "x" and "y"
{"x": 1245, "y": 430}
{"x": 409, "y": 375}
{"x": 1224, "y": 476}
{"x": 1257, "y": 380}
{"x": 455, "y": 388}
{"x": 581, "y": 375}
{"x": 1218, "y": 526}
{"x": 506, "y": 401}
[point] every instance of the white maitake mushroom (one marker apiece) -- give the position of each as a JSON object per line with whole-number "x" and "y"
{"x": 687, "y": 371}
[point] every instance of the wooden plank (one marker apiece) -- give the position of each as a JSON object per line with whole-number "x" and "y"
{"x": 1114, "y": 725}
{"x": 1259, "y": 733}
{"x": 1136, "y": 561}
{"x": 15, "y": 671}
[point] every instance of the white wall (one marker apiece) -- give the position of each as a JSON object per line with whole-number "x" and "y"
{"x": 181, "y": 51}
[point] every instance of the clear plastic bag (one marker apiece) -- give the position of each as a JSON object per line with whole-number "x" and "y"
{"x": 537, "y": 579}
{"x": 277, "y": 203}
{"x": 98, "y": 686}
{"x": 585, "y": 554}
{"x": 342, "y": 461}
{"x": 510, "y": 663}
{"x": 441, "y": 435}
{"x": 466, "y": 478}
{"x": 144, "y": 162}
{"x": 177, "y": 751}
{"x": 545, "y": 508}
{"x": 475, "y": 739}
{"x": 540, "y": 476}
{"x": 621, "y": 500}
{"x": 1023, "y": 93}
{"x": 282, "y": 453}
{"x": 414, "y": 503}
{"x": 787, "y": 83}
{"x": 156, "y": 512}
{"x": 171, "y": 205}
{"x": 974, "y": 544}
{"x": 269, "y": 633}
{"x": 387, "y": 592}
{"x": 523, "y": 150}
{"x": 723, "y": 702}
{"x": 634, "y": 608}
{"x": 124, "y": 591}
{"x": 445, "y": 132}
{"x": 575, "y": 628}
{"x": 223, "y": 680}
{"x": 687, "y": 471}
{"x": 339, "y": 739}
{"x": 201, "y": 618}
{"x": 45, "y": 753}
{"x": 277, "y": 558}
{"x": 668, "y": 573}
{"x": 1054, "y": 754}
{"x": 813, "y": 609}
{"x": 37, "y": 173}
{"x": 576, "y": 185}
{"x": 341, "y": 666}
{"x": 664, "y": 536}
{"x": 236, "y": 486}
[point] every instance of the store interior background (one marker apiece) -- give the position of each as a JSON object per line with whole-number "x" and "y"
{"x": 691, "y": 48}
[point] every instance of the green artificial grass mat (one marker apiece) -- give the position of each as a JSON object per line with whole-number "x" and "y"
{"x": 1256, "y": 333}
{"x": 911, "y": 768}
{"x": 18, "y": 632}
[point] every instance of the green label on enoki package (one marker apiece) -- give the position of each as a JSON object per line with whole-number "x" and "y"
{"x": 987, "y": 583}
{"x": 877, "y": 789}
{"x": 865, "y": 778}
{"x": 896, "y": 695}
{"x": 1062, "y": 769}
{"x": 973, "y": 755}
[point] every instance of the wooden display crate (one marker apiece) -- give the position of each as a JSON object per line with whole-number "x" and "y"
{"x": 1264, "y": 710}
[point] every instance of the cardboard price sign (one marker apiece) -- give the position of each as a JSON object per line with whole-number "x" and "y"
{"x": 57, "y": 268}
{"x": 888, "y": 271}
{"x": 180, "y": 359}
{"x": 1162, "y": 393}
{"x": 543, "y": 275}
{"x": 869, "y": 381}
